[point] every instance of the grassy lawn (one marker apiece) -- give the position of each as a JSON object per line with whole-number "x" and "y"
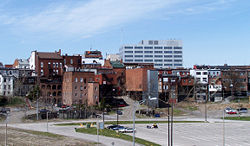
{"x": 112, "y": 133}
{"x": 127, "y": 122}
{"x": 238, "y": 118}
{"x": 42, "y": 133}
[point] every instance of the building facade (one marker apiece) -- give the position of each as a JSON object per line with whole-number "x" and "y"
{"x": 163, "y": 53}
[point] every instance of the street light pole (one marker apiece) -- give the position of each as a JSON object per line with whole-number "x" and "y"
{"x": 37, "y": 106}
{"x": 134, "y": 123}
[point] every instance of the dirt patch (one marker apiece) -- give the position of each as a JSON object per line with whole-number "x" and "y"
{"x": 26, "y": 137}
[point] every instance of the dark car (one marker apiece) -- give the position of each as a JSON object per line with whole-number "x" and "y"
{"x": 242, "y": 110}
{"x": 119, "y": 112}
{"x": 112, "y": 126}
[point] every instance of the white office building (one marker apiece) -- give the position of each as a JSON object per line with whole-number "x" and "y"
{"x": 163, "y": 53}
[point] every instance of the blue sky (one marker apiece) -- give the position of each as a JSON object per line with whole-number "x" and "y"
{"x": 212, "y": 31}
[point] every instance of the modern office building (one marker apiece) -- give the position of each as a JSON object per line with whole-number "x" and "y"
{"x": 163, "y": 53}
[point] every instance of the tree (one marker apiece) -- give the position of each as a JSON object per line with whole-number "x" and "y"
{"x": 34, "y": 94}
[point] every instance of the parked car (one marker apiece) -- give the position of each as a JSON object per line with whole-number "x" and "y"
{"x": 115, "y": 127}
{"x": 233, "y": 111}
{"x": 5, "y": 110}
{"x": 126, "y": 130}
{"x": 228, "y": 109}
{"x": 242, "y": 110}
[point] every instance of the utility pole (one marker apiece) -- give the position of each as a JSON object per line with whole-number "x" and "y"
{"x": 37, "y": 110}
{"x": 6, "y": 130}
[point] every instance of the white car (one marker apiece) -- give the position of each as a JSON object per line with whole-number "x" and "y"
{"x": 126, "y": 130}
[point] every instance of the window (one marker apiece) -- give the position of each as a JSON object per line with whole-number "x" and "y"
{"x": 138, "y": 60}
{"x": 177, "y": 56}
{"x": 81, "y": 80}
{"x": 167, "y": 47}
{"x": 168, "y": 56}
{"x": 148, "y": 51}
{"x": 198, "y": 73}
{"x": 158, "y": 51}
{"x": 148, "y": 55}
{"x": 75, "y": 94}
{"x": 177, "y": 60}
{"x": 148, "y": 60}
{"x": 158, "y": 55}
{"x": 158, "y": 60}
{"x": 177, "y": 47}
{"x": 75, "y": 87}
{"x": 128, "y": 51}
{"x": 168, "y": 52}
{"x": 138, "y": 51}
{"x": 49, "y": 63}
{"x": 41, "y": 64}
{"x": 167, "y": 60}
{"x": 150, "y": 42}
{"x": 204, "y": 79}
{"x": 42, "y": 73}
{"x": 177, "y": 52}
{"x": 76, "y": 80}
{"x": 177, "y": 64}
{"x": 85, "y": 80}
{"x": 155, "y": 42}
{"x": 198, "y": 79}
{"x": 158, "y": 64}
{"x": 61, "y": 65}
{"x": 95, "y": 88}
{"x": 71, "y": 61}
{"x": 128, "y": 47}
{"x": 128, "y": 55}
{"x": 139, "y": 56}
{"x": 54, "y": 65}
{"x": 138, "y": 47}
{"x": 167, "y": 64}
{"x": 4, "y": 86}
{"x": 204, "y": 73}
{"x": 158, "y": 47}
{"x": 128, "y": 60}
{"x": 57, "y": 71}
{"x": 148, "y": 47}
{"x": 8, "y": 86}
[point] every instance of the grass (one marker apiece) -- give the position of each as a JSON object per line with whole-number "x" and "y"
{"x": 112, "y": 133}
{"x": 192, "y": 108}
{"x": 238, "y": 118}
{"x": 43, "y": 133}
{"x": 126, "y": 122}
{"x": 241, "y": 100}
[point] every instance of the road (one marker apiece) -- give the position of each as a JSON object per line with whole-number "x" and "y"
{"x": 70, "y": 132}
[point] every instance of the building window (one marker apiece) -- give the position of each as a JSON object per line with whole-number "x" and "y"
{"x": 177, "y": 60}
{"x": 168, "y": 56}
{"x": 76, "y": 80}
{"x": 167, "y": 64}
{"x": 138, "y": 51}
{"x": 57, "y": 71}
{"x": 57, "y": 64}
{"x": 204, "y": 73}
{"x": 177, "y": 64}
{"x": 41, "y": 64}
{"x": 167, "y": 47}
{"x": 158, "y": 51}
{"x": 148, "y": 47}
{"x": 158, "y": 47}
{"x": 177, "y": 52}
{"x": 204, "y": 79}
{"x": 61, "y": 65}
{"x": 167, "y": 60}
{"x": 71, "y": 61}
{"x": 155, "y": 42}
{"x": 148, "y": 51}
{"x": 75, "y": 87}
{"x": 128, "y": 51}
{"x": 138, "y": 47}
{"x": 85, "y": 87}
{"x": 148, "y": 60}
{"x": 158, "y": 60}
{"x": 48, "y": 63}
{"x": 81, "y": 80}
{"x": 128, "y": 55}
{"x": 177, "y": 56}
{"x": 198, "y": 73}
{"x": 75, "y": 94}
{"x": 138, "y": 56}
{"x": 95, "y": 88}
{"x": 138, "y": 60}
{"x": 42, "y": 73}
{"x": 128, "y": 60}
{"x": 158, "y": 64}
{"x": 128, "y": 47}
{"x": 168, "y": 52}
{"x": 81, "y": 88}
{"x": 85, "y": 80}
{"x": 150, "y": 42}
{"x": 158, "y": 55}
{"x": 4, "y": 80}
{"x": 148, "y": 55}
{"x": 177, "y": 47}
{"x": 54, "y": 64}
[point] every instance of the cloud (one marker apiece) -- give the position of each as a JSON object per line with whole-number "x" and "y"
{"x": 85, "y": 19}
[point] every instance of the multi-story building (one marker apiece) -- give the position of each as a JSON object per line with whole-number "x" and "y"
{"x": 79, "y": 88}
{"x": 163, "y": 53}
{"x": 7, "y": 78}
{"x": 92, "y": 59}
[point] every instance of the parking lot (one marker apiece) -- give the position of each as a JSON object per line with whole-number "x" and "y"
{"x": 198, "y": 134}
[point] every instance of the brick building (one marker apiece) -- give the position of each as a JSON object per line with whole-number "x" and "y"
{"x": 79, "y": 88}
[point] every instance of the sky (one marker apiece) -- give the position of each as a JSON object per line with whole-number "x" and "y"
{"x": 213, "y": 32}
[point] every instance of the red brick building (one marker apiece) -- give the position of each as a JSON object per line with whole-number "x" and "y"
{"x": 79, "y": 88}
{"x": 72, "y": 61}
